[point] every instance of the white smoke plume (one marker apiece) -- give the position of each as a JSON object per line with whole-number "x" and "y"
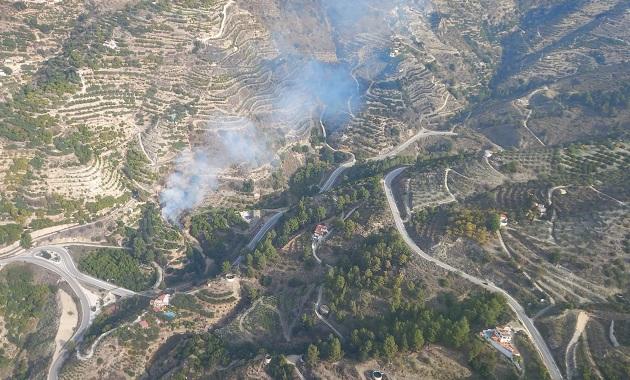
{"x": 315, "y": 84}
{"x": 196, "y": 171}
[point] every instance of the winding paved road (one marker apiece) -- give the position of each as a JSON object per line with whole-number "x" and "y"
{"x": 422, "y": 133}
{"x": 529, "y": 326}
{"x": 84, "y": 302}
{"x": 263, "y": 230}
{"x": 336, "y": 173}
{"x": 68, "y": 265}
{"x": 67, "y": 270}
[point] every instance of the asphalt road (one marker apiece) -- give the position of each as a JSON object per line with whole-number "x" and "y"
{"x": 86, "y": 312}
{"x": 263, "y": 230}
{"x": 527, "y": 323}
{"x": 67, "y": 270}
{"x": 423, "y": 133}
{"x": 336, "y": 173}
{"x": 69, "y": 267}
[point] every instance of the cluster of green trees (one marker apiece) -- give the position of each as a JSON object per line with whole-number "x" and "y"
{"x": 34, "y": 23}
{"x": 613, "y": 365}
{"x": 331, "y": 156}
{"x": 214, "y": 228}
{"x": 17, "y": 39}
{"x": 329, "y": 350}
{"x": 410, "y": 326}
{"x": 117, "y": 266}
{"x": 57, "y": 77}
{"x": 280, "y": 369}
{"x": 84, "y": 48}
{"x": 20, "y": 301}
{"x": 425, "y": 216}
{"x": 177, "y": 111}
{"x": 345, "y": 227}
{"x": 75, "y": 143}
{"x": 202, "y": 353}
{"x": 306, "y": 212}
{"x": 69, "y": 207}
{"x": 603, "y": 102}
{"x": 136, "y": 165}
{"x": 368, "y": 191}
{"x": 9, "y": 206}
{"x": 475, "y": 224}
{"x": 374, "y": 266}
{"x": 19, "y": 210}
{"x": 152, "y": 237}
{"x": 10, "y": 233}
{"x": 425, "y": 164}
{"x": 24, "y": 116}
{"x": 19, "y": 124}
{"x": 40, "y": 223}
{"x": 368, "y": 169}
{"x": 306, "y": 179}
{"x": 378, "y": 168}
{"x": 26, "y": 240}
{"x": 248, "y": 186}
{"x": 108, "y": 201}
{"x": 264, "y": 253}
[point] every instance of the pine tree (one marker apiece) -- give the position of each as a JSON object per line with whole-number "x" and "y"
{"x": 312, "y": 355}
{"x": 390, "y": 348}
{"x": 334, "y": 350}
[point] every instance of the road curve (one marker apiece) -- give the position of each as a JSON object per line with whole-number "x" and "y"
{"x": 68, "y": 264}
{"x": 263, "y": 230}
{"x": 422, "y": 133}
{"x": 529, "y": 326}
{"x": 16, "y": 250}
{"x": 336, "y": 173}
{"x": 67, "y": 270}
{"x": 84, "y": 322}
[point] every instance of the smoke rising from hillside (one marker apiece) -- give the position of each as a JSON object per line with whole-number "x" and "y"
{"x": 315, "y": 85}
{"x": 196, "y": 172}
{"x": 319, "y": 85}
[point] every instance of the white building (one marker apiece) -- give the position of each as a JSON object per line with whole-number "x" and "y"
{"x": 501, "y": 339}
{"x": 162, "y": 301}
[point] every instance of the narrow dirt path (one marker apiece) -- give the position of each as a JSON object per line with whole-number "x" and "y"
{"x": 582, "y": 320}
{"x": 446, "y": 184}
{"x": 524, "y": 104}
{"x": 146, "y": 154}
{"x": 607, "y": 196}
{"x": 611, "y": 334}
{"x": 244, "y": 315}
{"x": 68, "y": 321}
{"x": 321, "y": 318}
{"x": 486, "y": 157}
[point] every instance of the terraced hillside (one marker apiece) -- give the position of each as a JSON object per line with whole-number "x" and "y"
{"x": 558, "y": 58}
{"x": 564, "y": 207}
{"x": 115, "y": 91}
{"x": 251, "y": 151}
